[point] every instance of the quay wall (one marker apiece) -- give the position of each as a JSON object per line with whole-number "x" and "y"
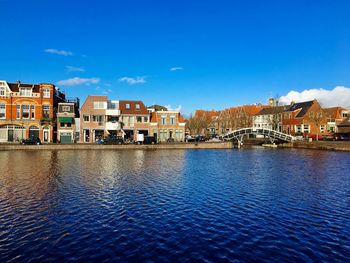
{"x": 219, "y": 145}
{"x": 320, "y": 145}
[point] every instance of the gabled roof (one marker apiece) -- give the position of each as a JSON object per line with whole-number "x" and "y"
{"x": 271, "y": 110}
{"x": 154, "y": 117}
{"x": 302, "y": 106}
{"x": 132, "y": 110}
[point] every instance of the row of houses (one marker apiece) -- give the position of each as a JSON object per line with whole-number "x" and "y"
{"x": 101, "y": 116}
{"x": 43, "y": 111}
{"x": 304, "y": 118}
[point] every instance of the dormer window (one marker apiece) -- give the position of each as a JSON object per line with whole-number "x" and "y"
{"x": 2, "y": 91}
{"x": 25, "y": 92}
{"x": 127, "y": 106}
{"x": 137, "y": 106}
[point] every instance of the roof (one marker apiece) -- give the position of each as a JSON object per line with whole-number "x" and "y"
{"x": 132, "y": 110}
{"x": 271, "y": 110}
{"x": 334, "y": 112}
{"x": 302, "y": 106}
{"x": 14, "y": 87}
{"x": 89, "y": 101}
{"x": 157, "y": 108}
{"x": 154, "y": 117}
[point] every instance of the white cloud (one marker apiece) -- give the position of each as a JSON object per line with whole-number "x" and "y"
{"x": 58, "y": 52}
{"x": 78, "y": 81}
{"x": 178, "y": 108}
{"x": 176, "y": 68}
{"x": 133, "y": 80}
{"x": 74, "y": 69}
{"x": 339, "y": 96}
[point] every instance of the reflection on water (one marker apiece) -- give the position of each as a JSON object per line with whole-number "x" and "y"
{"x": 207, "y": 205}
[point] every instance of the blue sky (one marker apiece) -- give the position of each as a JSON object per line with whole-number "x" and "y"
{"x": 226, "y": 52}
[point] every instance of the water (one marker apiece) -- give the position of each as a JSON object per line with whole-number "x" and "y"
{"x": 179, "y": 206}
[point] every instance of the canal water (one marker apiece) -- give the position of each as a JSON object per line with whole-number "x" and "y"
{"x": 175, "y": 205}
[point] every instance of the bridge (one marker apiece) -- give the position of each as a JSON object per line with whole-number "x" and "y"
{"x": 271, "y": 134}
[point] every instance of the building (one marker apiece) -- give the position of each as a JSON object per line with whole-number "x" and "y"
{"x": 93, "y": 118}
{"x": 304, "y": 118}
{"x": 67, "y": 113}
{"x": 344, "y": 127}
{"x": 167, "y": 125}
{"x": 335, "y": 116}
{"x": 134, "y": 119}
{"x": 269, "y": 118}
{"x": 28, "y": 110}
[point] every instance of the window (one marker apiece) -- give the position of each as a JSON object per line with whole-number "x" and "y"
{"x": 127, "y": 106}
{"x": 345, "y": 115}
{"x": 145, "y": 119}
{"x": 2, "y": 111}
{"x": 172, "y": 120}
{"x": 139, "y": 119}
{"x": 112, "y": 106}
{"x": 2, "y": 91}
{"x": 46, "y": 93}
{"x": 86, "y": 118}
{"x": 32, "y": 110}
{"x": 65, "y": 108}
{"x": 46, "y": 111}
{"x": 18, "y": 111}
{"x": 25, "y": 92}
{"x": 25, "y": 111}
{"x": 97, "y": 118}
{"x": 298, "y": 129}
{"x": 311, "y": 114}
{"x": 99, "y": 105}
{"x": 306, "y": 128}
{"x": 131, "y": 121}
{"x": 322, "y": 128}
{"x": 137, "y": 106}
{"x": 163, "y": 120}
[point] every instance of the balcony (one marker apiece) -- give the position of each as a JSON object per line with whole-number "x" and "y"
{"x": 112, "y": 112}
{"x": 113, "y": 126}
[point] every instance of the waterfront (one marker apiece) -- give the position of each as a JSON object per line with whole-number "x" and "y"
{"x": 256, "y": 204}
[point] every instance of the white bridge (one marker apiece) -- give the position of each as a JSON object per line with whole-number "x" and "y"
{"x": 271, "y": 134}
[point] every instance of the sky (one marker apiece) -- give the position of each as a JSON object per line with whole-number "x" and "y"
{"x": 183, "y": 54}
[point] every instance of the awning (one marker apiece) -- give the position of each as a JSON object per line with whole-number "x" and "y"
{"x": 65, "y": 119}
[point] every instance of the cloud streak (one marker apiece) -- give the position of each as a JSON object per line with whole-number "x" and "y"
{"x": 78, "y": 81}
{"x": 58, "y": 52}
{"x": 339, "y": 96}
{"x": 133, "y": 80}
{"x": 75, "y": 69}
{"x": 176, "y": 68}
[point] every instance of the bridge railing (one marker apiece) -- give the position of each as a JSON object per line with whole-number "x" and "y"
{"x": 260, "y": 131}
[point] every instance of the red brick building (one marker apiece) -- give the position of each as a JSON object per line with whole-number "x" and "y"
{"x": 28, "y": 110}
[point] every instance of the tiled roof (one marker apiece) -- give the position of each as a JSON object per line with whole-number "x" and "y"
{"x": 132, "y": 110}
{"x": 334, "y": 112}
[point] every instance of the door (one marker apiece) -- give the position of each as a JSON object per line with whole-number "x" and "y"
{"x": 66, "y": 138}
{"x": 46, "y": 135}
{"x": 33, "y": 132}
{"x": 10, "y": 135}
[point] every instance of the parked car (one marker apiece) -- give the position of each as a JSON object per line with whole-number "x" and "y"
{"x": 32, "y": 141}
{"x": 189, "y": 138}
{"x": 113, "y": 140}
{"x": 314, "y": 137}
{"x": 150, "y": 140}
{"x": 341, "y": 137}
{"x": 328, "y": 137}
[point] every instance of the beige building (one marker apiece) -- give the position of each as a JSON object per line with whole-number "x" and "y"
{"x": 167, "y": 126}
{"x": 93, "y": 118}
{"x": 66, "y": 121}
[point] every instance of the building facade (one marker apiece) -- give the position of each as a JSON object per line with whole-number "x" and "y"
{"x": 335, "y": 116}
{"x": 67, "y": 113}
{"x": 304, "y": 118}
{"x": 28, "y": 110}
{"x": 134, "y": 118}
{"x": 167, "y": 126}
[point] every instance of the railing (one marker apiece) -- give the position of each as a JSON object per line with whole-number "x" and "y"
{"x": 267, "y": 132}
